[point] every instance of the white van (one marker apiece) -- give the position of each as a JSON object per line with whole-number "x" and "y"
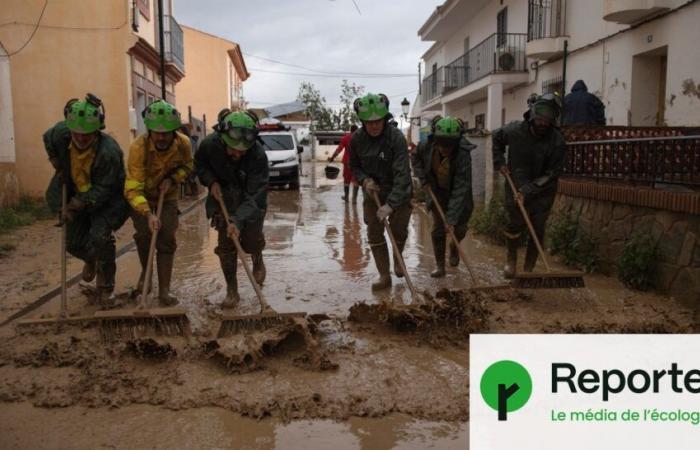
{"x": 283, "y": 153}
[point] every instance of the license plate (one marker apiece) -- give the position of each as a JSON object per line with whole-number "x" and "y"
{"x": 274, "y": 173}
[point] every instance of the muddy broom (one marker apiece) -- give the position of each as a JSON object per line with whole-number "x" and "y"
{"x": 63, "y": 316}
{"x": 550, "y": 279}
{"x": 144, "y": 321}
{"x": 267, "y": 317}
{"x": 476, "y": 287}
{"x": 415, "y": 295}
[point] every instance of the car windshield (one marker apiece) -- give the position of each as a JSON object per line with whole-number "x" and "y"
{"x": 277, "y": 142}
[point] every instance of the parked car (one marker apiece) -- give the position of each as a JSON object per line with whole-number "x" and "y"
{"x": 283, "y": 153}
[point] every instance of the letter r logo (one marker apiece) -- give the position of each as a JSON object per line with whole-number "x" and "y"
{"x": 506, "y": 386}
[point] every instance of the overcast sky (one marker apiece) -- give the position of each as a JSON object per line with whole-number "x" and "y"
{"x": 324, "y": 35}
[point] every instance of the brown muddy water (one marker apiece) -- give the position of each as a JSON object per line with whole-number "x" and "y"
{"x": 351, "y": 385}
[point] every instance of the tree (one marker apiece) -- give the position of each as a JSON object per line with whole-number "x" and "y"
{"x": 316, "y": 109}
{"x": 348, "y": 93}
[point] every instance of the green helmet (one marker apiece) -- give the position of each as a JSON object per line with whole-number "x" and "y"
{"x": 372, "y": 107}
{"x": 84, "y": 116}
{"x": 162, "y": 117}
{"x": 448, "y": 128}
{"x": 547, "y": 106}
{"x": 238, "y": 130}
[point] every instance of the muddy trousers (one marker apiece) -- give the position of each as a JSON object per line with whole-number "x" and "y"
{"x": 375, "y": 233}
{"x": 165, "y": 243}
{"x": 439, "y": 236}
{"x": 89, "y": 238}
{"x": 252, "y": 242}
{"x": 538, "y": 209}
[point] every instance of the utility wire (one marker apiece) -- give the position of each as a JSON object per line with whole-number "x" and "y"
{"x": 324, "y": 71}
{"x": 321, "y": 75}
{"x": 36, "y": 27}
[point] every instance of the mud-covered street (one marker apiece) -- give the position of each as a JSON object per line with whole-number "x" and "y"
{"x": 335, "y": 382}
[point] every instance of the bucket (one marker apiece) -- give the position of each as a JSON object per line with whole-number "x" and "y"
{"x": 332, "y": 172}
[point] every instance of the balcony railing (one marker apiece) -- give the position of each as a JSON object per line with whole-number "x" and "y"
{"x": 500, "y": 52}
{"x": 546, "y": 19}
{"x": 174, "y": 42}
{"x": 665, "y": 159}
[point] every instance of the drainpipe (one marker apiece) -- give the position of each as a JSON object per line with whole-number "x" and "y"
{"x": 161, "y": 33}
{"x": 563, "y": 76}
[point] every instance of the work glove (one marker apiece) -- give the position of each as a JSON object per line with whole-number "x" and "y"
{"x": 331, "y": 158}
{"x": 370, "y": 185}
{"x": 449, "y": 229}
{"x": 153, "y": 222}
{"x": 232, "y": 231}
{"x": 384, "y": 212}
{"x": 72, "y": 209}
{"x": 527, "y": 189}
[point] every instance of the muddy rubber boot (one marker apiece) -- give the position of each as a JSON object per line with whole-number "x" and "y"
{"x": 89, "y": 270}
{"x": 439, "y": 251}
{"x": 346, "y": 197}
{"x": 259, "y": 270}
{"x": 228, "y": 267}
{"x": 143, "y": 258}
{"x": 397, "y": 266}
{"x": 531, "y": 255}
{"x": 355, "y": 190}
{"x": 165, "y": 272}
{"x": 381, "y": 259}
{"x": 106, "y": 298}
{"x": 454, "y": 256}
{"x": 105, "y": 273}
{"x": 511, "y": 258}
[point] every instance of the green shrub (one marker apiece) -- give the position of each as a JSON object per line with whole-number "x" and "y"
{"x": 577, "y": 247}
{"x": 489, "y": 221}
{"x": 25, "y": 213}
{"x": 638, "y": 262}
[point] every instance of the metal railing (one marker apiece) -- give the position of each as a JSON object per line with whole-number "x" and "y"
{"x": 484, "y": 59}
{"x": 667, "y": 160}
{"x": 546, "y": 19}
{"x": 174, "y": 42}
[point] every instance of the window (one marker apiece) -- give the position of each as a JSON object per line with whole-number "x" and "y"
{"x": 277, "y": 142}
{"x": 480, "y": 121}
{"x": 148, "y": 74}
{"x": 138, "y": 67}
{"x": 501, "y": 27}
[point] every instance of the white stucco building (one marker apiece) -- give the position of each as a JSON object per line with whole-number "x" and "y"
{"x": 640, "y": 57}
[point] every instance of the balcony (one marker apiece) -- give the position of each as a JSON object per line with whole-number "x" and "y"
{"x": 498, "y": 53}
{"x": 174, "y": 43}
{"x": 631, "y": 11}
{"x": 546, "y": 27}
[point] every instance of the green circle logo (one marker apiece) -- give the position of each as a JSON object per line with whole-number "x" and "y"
{"x": 506, "y": 386}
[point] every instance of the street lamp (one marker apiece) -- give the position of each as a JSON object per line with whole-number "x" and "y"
{"x": 404, "y": 107}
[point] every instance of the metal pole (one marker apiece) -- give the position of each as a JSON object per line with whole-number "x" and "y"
{"x": 161, "y": 33}
{"x": 563, "y": 78}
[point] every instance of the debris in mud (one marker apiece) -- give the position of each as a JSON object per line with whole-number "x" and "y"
{"x": 151, "y": 349}
{"x": 451, "y": 314}
{"x": 245, "y": 351}
{"x": 644, "y": 327}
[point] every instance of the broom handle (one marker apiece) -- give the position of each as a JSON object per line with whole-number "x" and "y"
{"x": 527, "y": 219}
{"x": 151, "y": 252}
{"x": 452, "y": 235}
{"x": 64, "y": 261}
{"x": 397, "y": 254}
{"x": 263, "y": 303}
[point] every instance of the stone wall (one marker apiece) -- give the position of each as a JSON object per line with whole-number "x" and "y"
{"x": 677, "y": 236}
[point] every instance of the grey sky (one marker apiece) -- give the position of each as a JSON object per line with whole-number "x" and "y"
{"x": 326, "y": 35}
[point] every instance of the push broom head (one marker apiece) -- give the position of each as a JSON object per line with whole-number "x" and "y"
{"x": 139, "y": 323}
{"x": 554, "y": 280}
{"x": 231, "y": 324}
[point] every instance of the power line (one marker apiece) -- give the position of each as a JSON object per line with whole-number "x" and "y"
{"x": 320, "y": 75}
{"x": 36, "y": 27}
{"x": 357, "y": 7}
{"x": 325, "y": 72}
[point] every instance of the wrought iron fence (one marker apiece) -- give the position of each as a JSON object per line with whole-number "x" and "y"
{"x": 174, "y": 42}
{"x": 432, "y": 86}
{"x": 664, "y": 159}
{"x": 545, "y": 19}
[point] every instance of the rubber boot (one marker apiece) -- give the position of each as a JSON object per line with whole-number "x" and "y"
{"x": 228, "y": 267}
{"x": 531, "y": 255}
{"x": 346, "y": 189}
{"x": 355, "y": 190}
{"x": 143, "y": 258}
{"x": 439, "y": 251}
{"x": 511, "y": 258}
{"x": 397, "y": 266}
{"x": 454, "y": 256}
{"x": 89, "y": 270}
{"x": 381, "y": 259}
{"x": 105, "y": 272}
{"x": 165, "y": 272}
{"x": 259, "y": 270}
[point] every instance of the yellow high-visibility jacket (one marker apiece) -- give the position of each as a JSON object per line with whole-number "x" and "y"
{"x": 81, "y": 166}
{"x": 148, "y": 167}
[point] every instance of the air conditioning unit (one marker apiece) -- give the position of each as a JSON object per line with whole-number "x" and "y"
{"x": 506, "y": 58}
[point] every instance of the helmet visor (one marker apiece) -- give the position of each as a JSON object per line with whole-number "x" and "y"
{"x": 240, "y": 133}
{"x": 544, "y": 111}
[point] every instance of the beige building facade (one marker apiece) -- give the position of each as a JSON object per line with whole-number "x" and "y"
{"x": 108, "y": 48}
{"x": 216, "y": 71}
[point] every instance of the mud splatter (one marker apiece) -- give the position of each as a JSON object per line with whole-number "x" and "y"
{"x": 690, "y": 89}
